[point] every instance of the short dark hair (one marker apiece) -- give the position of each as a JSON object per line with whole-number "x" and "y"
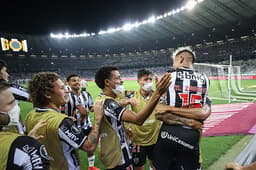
{"x": 143, "y": 72}
{"x": 187, "y": 49}
{"x": 102, "y": 74}
{"x": 3, "y": 85}
{"x": 2, "y": 64}
{"x": 41, "y": 83}
{"x": 70, "y": 76}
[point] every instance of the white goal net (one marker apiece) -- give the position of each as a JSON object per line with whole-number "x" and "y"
{"x": 227, "y": 82}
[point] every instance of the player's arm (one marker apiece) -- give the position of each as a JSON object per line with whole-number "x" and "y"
{"x": 93, "y": 137}
{"x": 250, "y": 167}
{"x": 141, "y": 116}
{"x": 20, "y": 93}
{"x": 79, "y": 137}
{"x": 80, "y": 107}
{"x": 90, "y": 102}
{"x": 173, "y": 119}
{"x": 128, "y": 101}
{"x": 236, "y": 166}
{"x": 192, "y": 113}
{"x": 82, "y": 111}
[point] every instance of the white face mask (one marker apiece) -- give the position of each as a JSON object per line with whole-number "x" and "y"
{"x": 147, "y": 87}
{"x": 119, "y": 89}
{"x": 14, "y": 115}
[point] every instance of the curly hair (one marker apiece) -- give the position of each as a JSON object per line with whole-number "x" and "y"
{"x": 40, "y": 84}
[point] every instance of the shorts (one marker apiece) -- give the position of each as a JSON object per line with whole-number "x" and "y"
{"x": 140, "y": 154}
{"x": 26, "y": 153}
{"x": 177, "y": 148}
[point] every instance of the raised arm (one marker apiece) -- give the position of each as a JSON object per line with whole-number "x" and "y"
{"x": 140, "y": 117}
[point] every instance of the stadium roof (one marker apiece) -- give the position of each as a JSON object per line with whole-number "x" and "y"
{"x": 210, "y": 20}
{"x": 44, "y": 17}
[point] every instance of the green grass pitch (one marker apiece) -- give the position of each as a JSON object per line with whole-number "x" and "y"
{"x": 211, "y": 151}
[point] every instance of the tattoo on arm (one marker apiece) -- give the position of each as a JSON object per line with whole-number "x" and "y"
{"x": 94, "y": 135}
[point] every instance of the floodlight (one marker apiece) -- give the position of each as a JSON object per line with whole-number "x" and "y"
{"x": 127, "y": 27}
{"x": 151, "y": 19}
{"x": 190, "y": 4}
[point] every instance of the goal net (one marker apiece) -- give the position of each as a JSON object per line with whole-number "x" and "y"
{"x": 227, "y": 83}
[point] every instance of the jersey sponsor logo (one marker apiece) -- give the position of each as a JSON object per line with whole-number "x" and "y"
{"x": 71, "y": 135}
{"x": 35, "y": 158}
{"x": 195, "y": 89}
{"x": 166, "y": 135}
{"x": 191, "y": 76}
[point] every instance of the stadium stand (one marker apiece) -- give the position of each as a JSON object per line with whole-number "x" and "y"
{"x": 243, "y": 50}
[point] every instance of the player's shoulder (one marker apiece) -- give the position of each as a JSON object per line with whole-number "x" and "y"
{"x": 111, "y": 102}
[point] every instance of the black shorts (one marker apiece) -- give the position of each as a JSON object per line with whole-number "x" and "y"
{"x": 177, "y": 148}
{"x": 27, "y": 153}
{"x": 140, "y": 154}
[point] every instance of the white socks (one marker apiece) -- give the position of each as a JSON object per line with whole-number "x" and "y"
{"x": 91, "y": 160}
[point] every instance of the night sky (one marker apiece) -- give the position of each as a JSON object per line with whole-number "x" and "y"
{"x": 39, "y": 17}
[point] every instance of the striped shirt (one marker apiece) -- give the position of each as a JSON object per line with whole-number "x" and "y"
{"x": 70, "y": 108}
{"x": 189, "y": 88}
{"x": 19, "y": 92}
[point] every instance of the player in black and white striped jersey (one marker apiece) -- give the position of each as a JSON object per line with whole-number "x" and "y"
{"x": 79, "y": 105}
{"x": 177, "y": 147}
{"x": 18, "y": 92}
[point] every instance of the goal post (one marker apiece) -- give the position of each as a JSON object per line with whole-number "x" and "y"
{"x": 225, "y": 82}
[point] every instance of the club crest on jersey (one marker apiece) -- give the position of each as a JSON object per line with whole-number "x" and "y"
{"x": 111, "y": 106}
{"x": 136, "y": 160}
{"x": 75, "y": 129}
{"x": 191, "y": 76}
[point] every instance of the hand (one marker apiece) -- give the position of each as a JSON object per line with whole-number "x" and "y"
{"x": 233, "y": 166}
{"x": 195, "y": 124}
{"x": 129, "y": 133}
{"x": 33, "y": 132}
{"x": 72, "y": 118}
{"x": 163, "y": 84}
{"x": 133, "y": 101}
{"x": 98, "y": 110}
